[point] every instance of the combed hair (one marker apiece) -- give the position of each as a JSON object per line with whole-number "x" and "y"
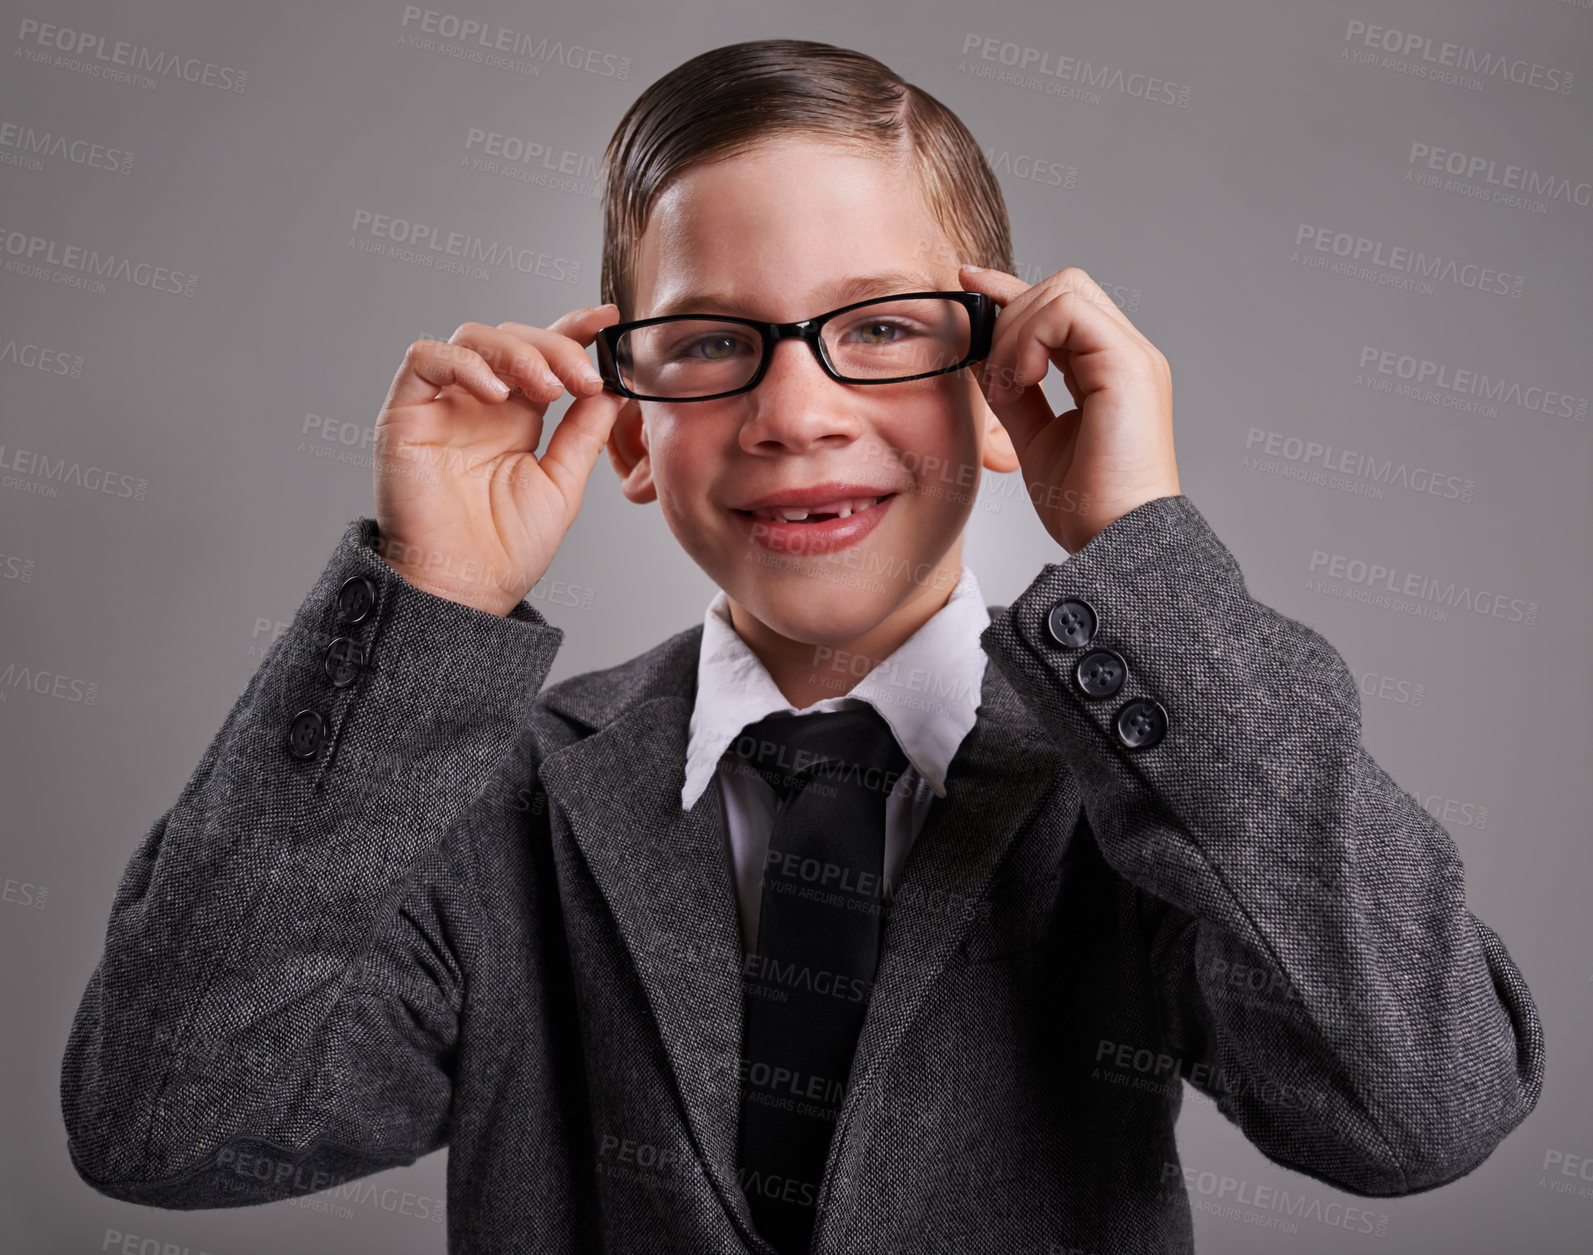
{"x": 725, "y": 101}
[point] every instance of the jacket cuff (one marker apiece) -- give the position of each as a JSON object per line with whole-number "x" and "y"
{"x": 365, "y": 637}
{"x": 1095, "y": 642}
{"x": 1148, "y": 662}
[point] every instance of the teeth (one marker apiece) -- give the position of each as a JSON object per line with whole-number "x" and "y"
{"x": 842, "y": 509}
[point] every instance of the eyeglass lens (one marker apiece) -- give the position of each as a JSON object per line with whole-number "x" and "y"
{"x": 878, "y": 342}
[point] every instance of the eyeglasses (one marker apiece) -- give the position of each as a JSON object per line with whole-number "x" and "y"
{"x": 891, "y": 339}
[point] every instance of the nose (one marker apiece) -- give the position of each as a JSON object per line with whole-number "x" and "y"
{"x": 796, "y": 406}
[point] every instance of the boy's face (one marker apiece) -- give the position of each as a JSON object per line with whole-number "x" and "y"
{"x": 778, "y": 233}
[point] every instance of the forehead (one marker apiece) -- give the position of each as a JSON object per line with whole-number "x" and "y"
{"x": 778, "y": 231}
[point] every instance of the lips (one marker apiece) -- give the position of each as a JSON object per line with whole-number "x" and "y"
{"x": 815, "y": 527}
{"x": 840, "y": 508}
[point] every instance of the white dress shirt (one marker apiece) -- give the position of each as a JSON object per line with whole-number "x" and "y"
{"x": 927, "y": 691}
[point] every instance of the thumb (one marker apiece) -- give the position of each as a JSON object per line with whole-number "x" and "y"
{"x": 577, "y": 441}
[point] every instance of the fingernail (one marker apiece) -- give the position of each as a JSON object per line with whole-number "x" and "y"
{"x": 971, "y": 268}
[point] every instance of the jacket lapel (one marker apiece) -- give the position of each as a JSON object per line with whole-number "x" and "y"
{"x": 665, "y": 875}
{"x": 1003, "y": 770}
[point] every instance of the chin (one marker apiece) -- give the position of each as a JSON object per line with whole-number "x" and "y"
{"x": 819, "y": 608}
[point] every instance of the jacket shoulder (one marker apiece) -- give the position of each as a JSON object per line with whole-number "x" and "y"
{"x": 591, "y": 700}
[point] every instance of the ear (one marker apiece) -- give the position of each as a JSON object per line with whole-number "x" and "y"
{"x": 628, "y": 455}
{"x": 999, "y": 455}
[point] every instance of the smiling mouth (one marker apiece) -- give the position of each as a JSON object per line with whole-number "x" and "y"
{"x": 823, "y": 512}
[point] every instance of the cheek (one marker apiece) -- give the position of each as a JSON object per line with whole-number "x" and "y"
{"x": 940, "y": 446}
{"x": 683, "y": 460}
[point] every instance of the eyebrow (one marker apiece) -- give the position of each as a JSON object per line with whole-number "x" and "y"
{"x": 842, "y": 292}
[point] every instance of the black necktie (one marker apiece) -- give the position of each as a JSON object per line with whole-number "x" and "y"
{"x": 807, "y": 986}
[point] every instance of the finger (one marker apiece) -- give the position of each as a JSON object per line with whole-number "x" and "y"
{"x": 429, "y": 366}
{"x": 581, "y": 324}
{"x": 1078, "y": 279}
{"x": 1024, "y": 416}
{"x": 520, "y": 360}
{"x": 997, "y": 283}
{"x": 1071, "y": 327}
{"x": 564, "y": 344}
{"x": 577, "y": 441}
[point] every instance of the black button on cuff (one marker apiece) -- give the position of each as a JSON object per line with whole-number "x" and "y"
{"x": 355, "y": 599}
{"x": 306, "y": 734}
{"x": 1071, "y": 622}
{"x": 1141, "y": 723}
{"x": 1100, "y": 673}
{"x": 344, "y": 658}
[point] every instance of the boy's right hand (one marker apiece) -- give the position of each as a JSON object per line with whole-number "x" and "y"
{"x": 465, "y": 508}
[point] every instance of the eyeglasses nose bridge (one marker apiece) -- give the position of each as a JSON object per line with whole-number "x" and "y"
{"x": 810, "y": 330}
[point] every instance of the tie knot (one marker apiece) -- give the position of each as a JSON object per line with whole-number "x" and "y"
{"x": 843, "y": 747}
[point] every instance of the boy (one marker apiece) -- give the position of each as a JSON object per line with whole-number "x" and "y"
{"x": 708, "y": 951}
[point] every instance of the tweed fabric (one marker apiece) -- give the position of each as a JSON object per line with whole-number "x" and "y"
{"x": 480, "y": 918}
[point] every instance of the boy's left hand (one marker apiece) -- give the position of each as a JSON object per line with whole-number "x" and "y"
{"x": 1091, "y": 465}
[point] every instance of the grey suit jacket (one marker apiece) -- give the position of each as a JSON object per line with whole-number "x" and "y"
{"x": 477, "y": 916}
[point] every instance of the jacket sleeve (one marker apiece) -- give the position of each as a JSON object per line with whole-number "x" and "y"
{"x": 1317, "y": 971}
{"x": 289, "y": 948}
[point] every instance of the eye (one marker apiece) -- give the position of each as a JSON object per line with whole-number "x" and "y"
{"x": 870, "y": 328}
{"x": 718, "y": 347}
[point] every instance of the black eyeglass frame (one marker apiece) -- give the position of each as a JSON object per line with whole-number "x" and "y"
{"x": 981, "y": 323}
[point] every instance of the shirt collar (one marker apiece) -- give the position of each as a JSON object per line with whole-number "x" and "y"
{"x": 928, "y": 690}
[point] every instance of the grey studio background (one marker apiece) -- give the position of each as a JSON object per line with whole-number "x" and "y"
{"x": 184, "y": 442}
